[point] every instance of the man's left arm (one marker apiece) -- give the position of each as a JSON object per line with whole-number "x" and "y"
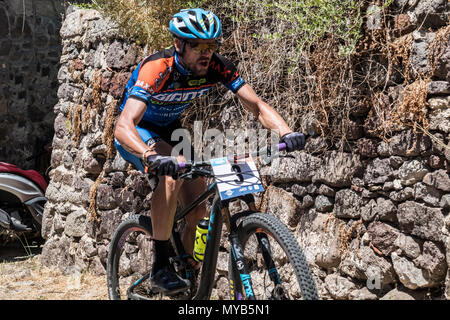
{"x": 269, "y": 118}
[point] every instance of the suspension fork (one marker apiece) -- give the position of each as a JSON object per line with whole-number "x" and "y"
{"x": 239, "y": 261}
{"x": 237, "y": 254}
{"x": 264, "y": 244}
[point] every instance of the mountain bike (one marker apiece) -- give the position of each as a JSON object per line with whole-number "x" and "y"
{"x": 265, "y": 261}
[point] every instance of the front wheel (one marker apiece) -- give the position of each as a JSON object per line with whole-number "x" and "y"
{"x": 276, "y": 264}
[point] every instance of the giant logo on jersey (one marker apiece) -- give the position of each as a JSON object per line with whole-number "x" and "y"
{"x": 180, "y": 96}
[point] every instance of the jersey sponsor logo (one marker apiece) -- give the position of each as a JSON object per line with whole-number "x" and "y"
{"x": 198, "y": 82}
{"x": 180, "y": 96}
{"x": 158, "y": 81}
{"x": 220, "y": 69}
{"x": 162, "y": 76}
{"x": 236, "y": 83}
{"x": 144, "y": 85}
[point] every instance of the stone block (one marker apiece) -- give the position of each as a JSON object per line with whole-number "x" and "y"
{"x": 338, "y": 169}
{"x": 420, "y": 221}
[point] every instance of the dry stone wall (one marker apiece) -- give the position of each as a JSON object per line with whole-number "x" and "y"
{"x": 30, "y": 48}
{"x": 372, "y": 217}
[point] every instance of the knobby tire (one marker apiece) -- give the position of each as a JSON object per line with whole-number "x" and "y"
{"x": 279, "y": 233}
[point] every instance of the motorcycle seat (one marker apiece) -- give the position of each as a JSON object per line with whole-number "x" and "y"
{"x": 32, "y": 175}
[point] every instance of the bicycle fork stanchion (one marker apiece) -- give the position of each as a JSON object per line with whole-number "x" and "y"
{"x": 263, "y": 240}
{"x": 239, "y": 260}
{"x": 238, "y": 255}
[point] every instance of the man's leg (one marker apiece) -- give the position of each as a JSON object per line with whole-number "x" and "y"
{"x": 163, "y": 208}
{"x": 190, "y": 190}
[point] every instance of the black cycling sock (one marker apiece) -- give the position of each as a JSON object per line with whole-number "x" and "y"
{"x": 161, "y": 255}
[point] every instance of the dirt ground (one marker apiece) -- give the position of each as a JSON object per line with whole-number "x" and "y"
{"x": 23, "y": 277}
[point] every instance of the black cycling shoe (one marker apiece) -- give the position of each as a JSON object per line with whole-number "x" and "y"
{"x": 168, "y": 282}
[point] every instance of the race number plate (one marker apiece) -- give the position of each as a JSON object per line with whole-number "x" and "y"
{"x": 236, "y": 179}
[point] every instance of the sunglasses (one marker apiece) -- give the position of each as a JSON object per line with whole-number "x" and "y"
{"x": 203, "y": 47}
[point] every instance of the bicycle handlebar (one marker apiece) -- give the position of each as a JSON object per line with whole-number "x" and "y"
{"x": 184, "y": 165}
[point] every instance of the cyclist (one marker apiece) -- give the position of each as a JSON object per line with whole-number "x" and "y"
{"x": 160, "y": 88}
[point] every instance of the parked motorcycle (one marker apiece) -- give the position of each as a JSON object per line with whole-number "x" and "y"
{"x": 22, "y": 200}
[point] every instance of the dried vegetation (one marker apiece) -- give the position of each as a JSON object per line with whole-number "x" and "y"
{"x": 316, "y": 62}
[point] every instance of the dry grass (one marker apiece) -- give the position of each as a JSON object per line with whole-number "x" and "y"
{"x": 29, "y": 280}
{"x": 147, "y": 22}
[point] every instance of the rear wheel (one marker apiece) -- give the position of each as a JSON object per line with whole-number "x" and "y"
{"x": 276, "y": 264}
{"x": 130, "y": 258}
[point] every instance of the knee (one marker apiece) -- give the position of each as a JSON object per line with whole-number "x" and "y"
{"x": 195, "y": 215}
{"x": 171, "y": 184}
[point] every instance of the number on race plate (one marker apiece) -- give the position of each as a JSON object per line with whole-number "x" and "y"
{"x": 237, "y": 179}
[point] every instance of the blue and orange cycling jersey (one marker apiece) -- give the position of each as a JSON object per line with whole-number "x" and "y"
{"x": 161, "y": 81}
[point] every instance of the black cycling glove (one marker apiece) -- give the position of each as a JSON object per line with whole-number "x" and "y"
{"x": 294, "y": 141}
{"x": 162, "y": 166}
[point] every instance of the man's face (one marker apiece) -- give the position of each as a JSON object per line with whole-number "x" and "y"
{"x": 197, "y": 54}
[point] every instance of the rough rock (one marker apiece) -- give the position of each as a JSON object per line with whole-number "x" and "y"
{"x": 367, "y": 147}
{"x": 420, "y": 51}
{"x": 283, "y": 205}
{"x": 439, "y": 179}
{"x": 362, "y": 263}
{"x": 432, "y": 13}
{"x": 409, "y": 144}
{"x": 378, "y": 171}
{"x": 411, "y": 172}
{"x": 105, "y": 197}
{"x": 338, "y": 169}
{"x": 347, "y": 204}
{"x": 432, "y": 262}
{"x": 319, "y": 239}
{"x": 383, "y": 209}
{"x": 427, "y": 194}
{"x": 300, "y": 169}
{"x": 409, "y": 275}
{"x": 408, "y": 246}
{"x": 75, "y": 224}
{"x": 339, "y": 287}
{"x": 438, "y": 88}
{"x": 109, "y": 221}
{"x": 323, "y": 203}
{"x": 440, "y": 120}
{"x": 445, "y": 201}
{"x": 383, "y": 236}
{"x": 396, "y": 294}
{"x": 421, "y": 221}
{"x": 362, "y": 294}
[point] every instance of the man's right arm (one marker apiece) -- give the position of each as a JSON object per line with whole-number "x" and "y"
{"x": 125, "y": 131}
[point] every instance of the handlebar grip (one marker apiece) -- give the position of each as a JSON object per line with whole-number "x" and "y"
{"x": 181, "y": 166}
{"x": 282, "y": 146}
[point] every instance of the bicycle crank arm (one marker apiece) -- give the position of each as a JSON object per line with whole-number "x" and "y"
{"x": 134, "y": 296}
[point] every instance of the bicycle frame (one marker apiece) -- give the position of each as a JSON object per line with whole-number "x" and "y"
{"x": 219, "y": 214}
